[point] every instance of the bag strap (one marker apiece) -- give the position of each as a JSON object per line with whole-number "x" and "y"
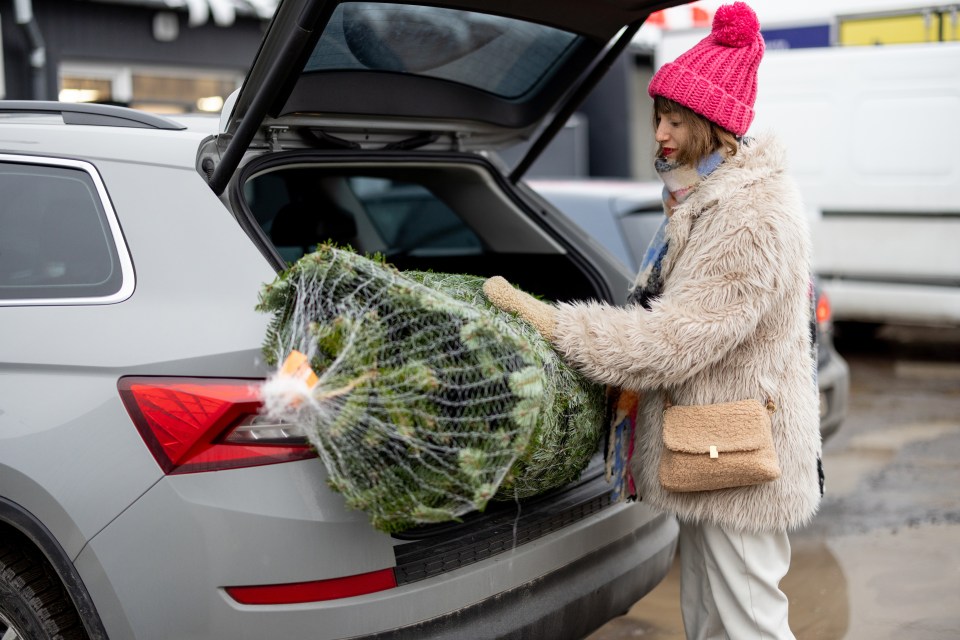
{"x": 771, "y": 406}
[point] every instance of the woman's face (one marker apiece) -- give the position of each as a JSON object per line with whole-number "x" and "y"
{"x": 671, "y": 134}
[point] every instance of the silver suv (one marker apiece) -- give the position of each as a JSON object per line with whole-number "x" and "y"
{"x": 141, "y": 493}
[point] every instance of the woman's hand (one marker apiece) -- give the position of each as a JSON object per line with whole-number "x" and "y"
{"x": 505, "y": 296}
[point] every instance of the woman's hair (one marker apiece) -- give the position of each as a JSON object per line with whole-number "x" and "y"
{"x": 704, "y": 137}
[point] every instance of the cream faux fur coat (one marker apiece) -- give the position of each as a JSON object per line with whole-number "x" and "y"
{"x": 733, "y": 322}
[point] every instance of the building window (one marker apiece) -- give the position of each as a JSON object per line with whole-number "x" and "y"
{"x": 155, "y": 89}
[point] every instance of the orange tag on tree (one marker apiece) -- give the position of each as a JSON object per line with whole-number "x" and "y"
{"x": 297, "y": 365}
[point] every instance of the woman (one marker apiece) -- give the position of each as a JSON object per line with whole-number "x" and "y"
{"x": 720, "y": 312}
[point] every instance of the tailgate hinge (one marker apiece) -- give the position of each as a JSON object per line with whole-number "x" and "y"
{"x": 273, "y": 137}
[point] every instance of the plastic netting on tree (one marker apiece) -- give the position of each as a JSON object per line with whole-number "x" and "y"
{"x": 428, "y": 401}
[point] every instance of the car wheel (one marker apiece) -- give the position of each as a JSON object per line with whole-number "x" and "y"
{"x": 33, "y": 602}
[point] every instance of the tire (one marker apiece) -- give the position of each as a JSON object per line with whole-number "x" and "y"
{"x": 33, "y": 603}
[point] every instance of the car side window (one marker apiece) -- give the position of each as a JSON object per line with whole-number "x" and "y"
{"x": 55, "y": 239}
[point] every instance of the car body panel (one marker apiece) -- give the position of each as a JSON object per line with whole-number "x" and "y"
{"x": 167, "y": 149}
{"x": 80, "y": 376}
{"x": 261, "y": 525}
{"x": 204, "y": 548}
{"x": 48, "y": 448}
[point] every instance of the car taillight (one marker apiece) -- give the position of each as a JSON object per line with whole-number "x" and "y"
{"x": 208, "y": 424}
{"x": 823, "y": 309}
{"x": 315, "y": 591}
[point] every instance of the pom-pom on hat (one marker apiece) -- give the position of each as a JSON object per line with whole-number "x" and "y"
{"x": 717, "y": 78}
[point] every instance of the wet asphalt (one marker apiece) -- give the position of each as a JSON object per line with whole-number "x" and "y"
{"x": 881, "y": 560}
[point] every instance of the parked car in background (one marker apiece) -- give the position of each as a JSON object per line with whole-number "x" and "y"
{"x": 623, "y": 215}
{"x": 142, "y": 496}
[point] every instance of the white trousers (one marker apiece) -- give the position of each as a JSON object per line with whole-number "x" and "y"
{"x": 730, "y": 584}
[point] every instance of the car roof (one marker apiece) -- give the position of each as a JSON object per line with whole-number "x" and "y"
{"x": 164, "y": 147}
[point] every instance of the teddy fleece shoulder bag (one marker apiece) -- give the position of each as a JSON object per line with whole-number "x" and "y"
{"x": 717, "y": 446}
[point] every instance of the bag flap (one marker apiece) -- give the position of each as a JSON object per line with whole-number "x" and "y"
{"x": 743, "y": 425}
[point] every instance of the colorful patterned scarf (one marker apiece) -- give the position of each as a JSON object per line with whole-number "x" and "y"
{"x": 679, "y": 181}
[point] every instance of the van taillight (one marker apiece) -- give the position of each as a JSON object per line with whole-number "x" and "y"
{"x": 208, "y": 424}
{"x": 823, "y": 309}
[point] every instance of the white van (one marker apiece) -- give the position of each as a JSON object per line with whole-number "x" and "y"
{"x": 873, "y": 135}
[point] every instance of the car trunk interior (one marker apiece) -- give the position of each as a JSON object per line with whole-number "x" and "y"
{"x": 446, "y": 216}
{"x": 441, "y": 216}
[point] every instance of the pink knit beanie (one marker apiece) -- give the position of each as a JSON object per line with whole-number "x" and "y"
{"x": 717, "y": 78}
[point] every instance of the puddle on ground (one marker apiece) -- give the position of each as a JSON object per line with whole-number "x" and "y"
{"x": 845, "y": 470}
{"x": 816, "y": 586}
{"x": 897, "y": 436}
{"x": 902, "y": 584}
{"x": 869, "y": 452}
{"x": 908, "y": 370}
{"x": 883, "y": 585}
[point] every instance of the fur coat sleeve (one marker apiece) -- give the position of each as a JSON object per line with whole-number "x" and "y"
{"x": 694, "y": 324}
{"x": 732, "y": 323}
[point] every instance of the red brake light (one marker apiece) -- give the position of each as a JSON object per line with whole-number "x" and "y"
{"x": 190, "y": 424}
{"x": 823, "y": 309}
{"x": 315, "y": 591}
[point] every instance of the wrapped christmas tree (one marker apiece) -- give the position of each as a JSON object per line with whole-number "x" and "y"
{"x": 423, "y": 400}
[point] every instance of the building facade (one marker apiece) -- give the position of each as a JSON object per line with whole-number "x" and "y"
{"x": 143, "y": 54}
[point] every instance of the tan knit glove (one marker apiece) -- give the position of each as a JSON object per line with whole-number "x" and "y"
{"x": 504, "y": 295}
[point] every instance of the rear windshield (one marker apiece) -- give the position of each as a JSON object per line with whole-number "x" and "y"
{"x": 503, "y": 56}
{"x": 298, "y": 209}
{"x": 445, "y": 218}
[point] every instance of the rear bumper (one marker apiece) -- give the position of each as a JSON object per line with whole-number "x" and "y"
{"x": 159, "y": 570}
{"x": 568, "y": 603}
{"x": 878, "y": 301}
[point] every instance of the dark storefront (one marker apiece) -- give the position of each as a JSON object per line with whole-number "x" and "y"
{"x": 143, "y": 54}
